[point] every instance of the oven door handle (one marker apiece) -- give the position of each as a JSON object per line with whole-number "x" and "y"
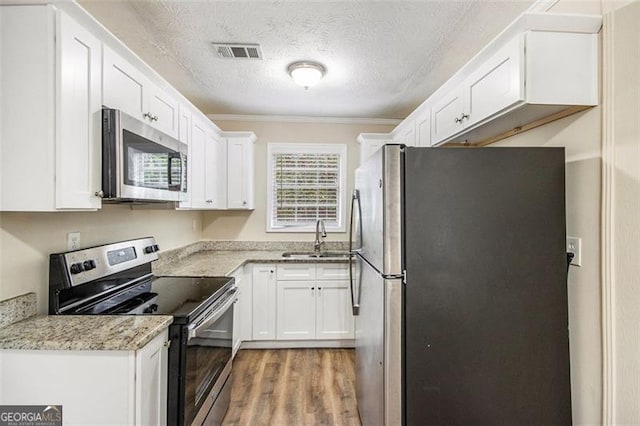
{"x": 214, "y": 316}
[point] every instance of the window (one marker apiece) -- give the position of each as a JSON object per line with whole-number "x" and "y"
{"x": 306, "y": 183}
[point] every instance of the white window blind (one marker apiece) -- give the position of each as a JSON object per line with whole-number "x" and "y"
{"x": 306, "y": 184}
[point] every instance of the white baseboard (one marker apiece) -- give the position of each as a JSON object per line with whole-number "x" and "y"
{"x": 297, "y": 344}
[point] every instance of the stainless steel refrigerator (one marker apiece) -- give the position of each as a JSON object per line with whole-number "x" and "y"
{"x": 459, "y": 287}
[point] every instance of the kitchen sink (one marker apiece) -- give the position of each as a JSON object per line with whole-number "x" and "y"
{"x": 315, "y": 255}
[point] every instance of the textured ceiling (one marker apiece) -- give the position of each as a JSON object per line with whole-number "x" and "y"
{"x": 383, "y": 58}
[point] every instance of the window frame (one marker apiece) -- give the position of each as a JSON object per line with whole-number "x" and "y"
{"x": 329, "y": 148}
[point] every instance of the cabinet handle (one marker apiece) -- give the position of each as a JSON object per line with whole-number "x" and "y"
{"x": 244, "y": 203}
{"x": 313, "y": 288}
{"x": 209, "y": 201}
{"x": 271, "y": 271}
{"x": 462, "y": 117}
{"x": 319, "y": 288}
{"x": 167, "y": 343}
{"x": 150, "y": 116}
{"x": 99, "y": 193}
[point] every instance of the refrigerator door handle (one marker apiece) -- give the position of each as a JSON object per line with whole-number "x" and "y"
{"x": 355, "y": 221}
{"x": 355, "y": 300}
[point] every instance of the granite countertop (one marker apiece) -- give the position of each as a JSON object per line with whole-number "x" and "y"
{"x": 83, "y": 333}
{"x": 220, "y": 258}
{"x": 21, "y": 329}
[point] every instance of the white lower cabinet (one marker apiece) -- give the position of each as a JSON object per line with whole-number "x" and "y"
{"x": 263, "y": 302}
{"x": 93, "y": 387}
{"x": 317, "y": 307}
{"x": 293, "y": 302}
{"x": 296, "y": 310}
{"x": 242, "y": 310}
{"x": 334, "y": 318}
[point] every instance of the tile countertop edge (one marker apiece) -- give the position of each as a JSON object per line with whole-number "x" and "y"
{"x": 83, "y": 333}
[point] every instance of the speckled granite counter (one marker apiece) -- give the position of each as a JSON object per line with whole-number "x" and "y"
{"x": 83, "y": 333}
{"x": 17, "y": 309}
{"x": 218, "y": 258}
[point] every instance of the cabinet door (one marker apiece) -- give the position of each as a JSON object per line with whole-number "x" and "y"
{"x": 123, "y": 84}
{"x": 334, "y": 319}
{"x": 296, "y": 318}
{"x": 151, "y": 382}
{"x": 240, "y": 163}
{"x": 497, "y": 84}
{"x": 369, "y": 146}
{"x": 264, "y": 302}
{"x": 78, "y": 116}
{"x": 423, "y": 129}
{"x": 446, "y": 116}
{"x": 214, "y": 172}
{"x": 241, "y": 314}
{"x": 184, "y": 124}
{"x": 162, "y": 110}
{"x": 196, "y": 166}
{"x": 406, "y": 133}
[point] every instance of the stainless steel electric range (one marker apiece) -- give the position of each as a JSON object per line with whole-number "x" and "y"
{"x": 117, "y": 279}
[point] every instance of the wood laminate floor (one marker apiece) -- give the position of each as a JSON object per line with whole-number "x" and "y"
{"x": 293, "y": 387}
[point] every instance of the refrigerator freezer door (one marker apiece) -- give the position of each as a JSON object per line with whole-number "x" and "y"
{"x": 378, "y": 348}
{"x": 378, "y": 184}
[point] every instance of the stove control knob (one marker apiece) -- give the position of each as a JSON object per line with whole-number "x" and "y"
{"x": 76, "y": 268}
{"x": 89, "y": 265}
{"x": 148, "y": 249}
{"x": 155, "y": 247}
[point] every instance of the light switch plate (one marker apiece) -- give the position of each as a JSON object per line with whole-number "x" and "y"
{"x": 574, "y": 245}
{"x": 73, "y": 241}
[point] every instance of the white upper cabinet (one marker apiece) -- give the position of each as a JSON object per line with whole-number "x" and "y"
{"x": 405, "y": 133}
{"x": 423, "y": 128}
{"x": 240, "y": 165}
{"x": 123, "y": 84}
{"x": 79, "y": 116}
{"x": 370, "y": 143}
{"x": 493, "y": 86}
{"x": 184, "y": 124}
{"x": 496, "y": 84}
{"x": 128, "y": 89}
{"x": 206, "y": 168}
{"x": 541, "y": 67}
{"x": 51, "y": 111}
{"x": 215, "y": 171}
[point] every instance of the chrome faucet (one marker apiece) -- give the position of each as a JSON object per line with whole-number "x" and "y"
{"x": 319, "y": 236}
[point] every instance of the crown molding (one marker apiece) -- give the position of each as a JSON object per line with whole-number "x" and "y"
{"x": 303, "y": 119}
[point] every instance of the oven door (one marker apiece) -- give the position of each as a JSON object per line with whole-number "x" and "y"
{"x": 208, "y": 357}
{"x": 140, "y": 162}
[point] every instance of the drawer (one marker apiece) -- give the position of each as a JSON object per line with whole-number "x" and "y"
{"x": 296, "y": 271}
{"x": 332, "y": 271}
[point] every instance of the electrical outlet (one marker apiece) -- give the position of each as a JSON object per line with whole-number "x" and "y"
{"x": 574, "y": 245}
{"x": 73, "y": 241}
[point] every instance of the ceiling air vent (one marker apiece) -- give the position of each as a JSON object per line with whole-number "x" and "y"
{"x": 237, "y": 50}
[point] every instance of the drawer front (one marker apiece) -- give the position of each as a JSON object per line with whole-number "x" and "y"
{"x": 296, "y": 271}
{"x": 332, "y": 271}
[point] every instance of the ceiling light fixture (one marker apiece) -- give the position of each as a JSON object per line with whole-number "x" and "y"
{"x": 306, "y": 74}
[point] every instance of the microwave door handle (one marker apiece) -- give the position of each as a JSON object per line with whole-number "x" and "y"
{"x": 214, "y": 316}
{"x": 172, "y": 158}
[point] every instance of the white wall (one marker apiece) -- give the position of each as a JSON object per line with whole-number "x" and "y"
{"x": 27, "y": 239}
{"x": 621, "y": 211}
{"x": 252, "y": 225}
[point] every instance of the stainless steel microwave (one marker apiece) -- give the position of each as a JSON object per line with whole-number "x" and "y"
{"x": 139, "y": 162}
